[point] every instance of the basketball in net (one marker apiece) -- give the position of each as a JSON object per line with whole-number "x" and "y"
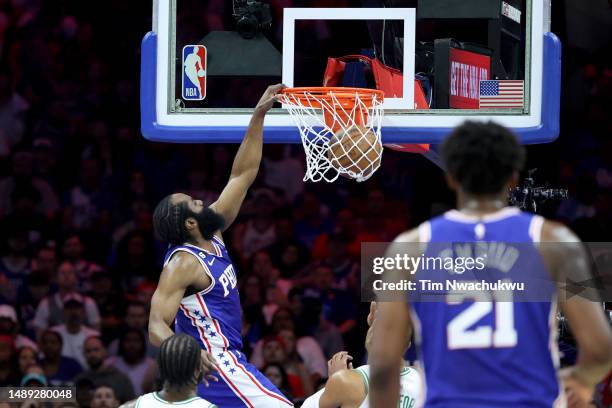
{"x": 339, "y": 128}
{"x": 355, "y": 151}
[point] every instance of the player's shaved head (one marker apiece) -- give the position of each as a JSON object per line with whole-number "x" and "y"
{"x": 172, "y": 212}
{"x": 482, "y": 157}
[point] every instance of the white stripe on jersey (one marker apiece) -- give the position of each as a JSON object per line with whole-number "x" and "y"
{"x": 153, "y": 400}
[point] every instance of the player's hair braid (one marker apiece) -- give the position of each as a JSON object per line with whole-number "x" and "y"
{"x": 482, "y": 156}
{"x": 178, "y": 359}
{"x": 168, "y": 221}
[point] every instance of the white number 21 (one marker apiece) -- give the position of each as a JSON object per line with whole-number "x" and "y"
{"x": 460, "y": 336}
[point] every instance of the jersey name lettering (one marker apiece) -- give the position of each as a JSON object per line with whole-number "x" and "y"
{"x": 228, "y": 278}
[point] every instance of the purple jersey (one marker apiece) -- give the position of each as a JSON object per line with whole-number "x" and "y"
{"x": 489, "y": 353}
{"x": 212, "y": 316}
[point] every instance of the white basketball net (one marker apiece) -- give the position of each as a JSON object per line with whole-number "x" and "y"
{"x": 346, "y": 143}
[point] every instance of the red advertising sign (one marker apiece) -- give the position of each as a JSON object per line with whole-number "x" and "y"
{"x": 467, "y": 69}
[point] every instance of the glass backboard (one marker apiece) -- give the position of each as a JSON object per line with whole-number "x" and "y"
{"x": 206, "y": 63}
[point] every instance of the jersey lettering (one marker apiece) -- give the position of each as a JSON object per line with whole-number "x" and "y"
{"x": 228, "y": 278}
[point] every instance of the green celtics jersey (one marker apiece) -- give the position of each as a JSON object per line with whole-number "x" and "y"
{"x": 410, "y": 387}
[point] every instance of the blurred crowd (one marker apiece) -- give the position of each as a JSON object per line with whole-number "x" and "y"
{"x": 78, "y": 257}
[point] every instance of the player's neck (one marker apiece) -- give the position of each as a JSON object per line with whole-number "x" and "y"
{"x": 481, "y": 204}
{"x": 202, "y": 243}
{"x": 177, "y": 394}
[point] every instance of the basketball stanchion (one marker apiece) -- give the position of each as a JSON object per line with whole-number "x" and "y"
{"x": 339, "y": 128}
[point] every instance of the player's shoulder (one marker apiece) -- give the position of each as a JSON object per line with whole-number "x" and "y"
{"x": 408, "y": 236}
{"x": 347, "y": 382}
{"x": 181, "y": 259}
{"x": 554, "y": 231}
{"x": 181, "y": 268}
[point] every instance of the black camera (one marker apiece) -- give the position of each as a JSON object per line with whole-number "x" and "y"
{"x": 528, "y": 196}
{"x": 251, "y": 16}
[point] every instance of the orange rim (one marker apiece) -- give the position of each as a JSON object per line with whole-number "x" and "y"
{"x": 345, "y": 95}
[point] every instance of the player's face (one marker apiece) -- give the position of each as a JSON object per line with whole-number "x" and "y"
{"x": 194, "y": 206}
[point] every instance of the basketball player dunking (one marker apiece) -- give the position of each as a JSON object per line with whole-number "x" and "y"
{"x": 493, "y": 354}
{"x": 197, "y": 289}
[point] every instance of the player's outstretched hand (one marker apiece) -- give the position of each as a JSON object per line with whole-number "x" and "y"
{"x": 268, "y": 98}
{"x": 339, "y": 361}
{"x": 579, "y": 395}
{"x": 209, "y": 366}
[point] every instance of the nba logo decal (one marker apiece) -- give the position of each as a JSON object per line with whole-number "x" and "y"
{"x": 194, "y": 72}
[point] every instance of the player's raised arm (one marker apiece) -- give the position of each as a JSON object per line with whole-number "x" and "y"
{"x": 569, "y": 262}
{"x": 174, "y": 279}
{"x": 246, "y": 162}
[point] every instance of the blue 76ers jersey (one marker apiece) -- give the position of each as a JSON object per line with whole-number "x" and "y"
{"x": 490, "y": 352}
{"x": 212, "y": 316}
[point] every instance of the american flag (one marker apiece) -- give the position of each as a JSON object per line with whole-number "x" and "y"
{"x": 501, "y": 94}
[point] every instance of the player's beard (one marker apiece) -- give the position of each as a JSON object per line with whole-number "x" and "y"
{"x": 208, "y": 222}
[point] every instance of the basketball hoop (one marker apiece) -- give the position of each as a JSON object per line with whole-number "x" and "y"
{"x": 339, "y": 128}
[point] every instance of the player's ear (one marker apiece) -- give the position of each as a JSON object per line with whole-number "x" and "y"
{"x": 191, "y": 223}
{"x": 452, "y": 182}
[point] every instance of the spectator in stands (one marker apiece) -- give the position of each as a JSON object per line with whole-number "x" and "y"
{"x": 304, "y": 347}
{"x": 262, "y": 266}
{"x": 84, "y": 390}
{"x": 136, "y": 254}
{"x": 100, "y": 373}
{"x": 311, "y": 218}
{"x": 283, "y": 171}
{"x": 277, "y": 375}
{"x": 15, "y": 264}
{"x": 73, "y": 331}
{"x": 104, "y": 397}
{"x": 9, "y": 375}
{"x": 25, "y": 198}
{"x": 13, "y": 108}
{"x": 89, "y": 198}
{"x": 50, "y": 310}
{"x": 133, "y": 361}
{"x": 45, "y": 160}
{"x": 258, "y": 232}
{"x": 59, "y": 369}
{"x": 312, "y": 321}
{"x": 288, "y": 254}
{"x": 34, "y": 377}
{"x": 9, "y": 325}
{"x": 45, "y": 261}
{"x": 73, "y": 250}
{"x": 110, "y": 303}
{"x": 137, "y": 318}
{"x": 338, "y": 306}
{"x": 29, "y": 297}
{"x": 274, "y": 352}
{"x": 26, "y": 357}
{"x": 22, "y": 171}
